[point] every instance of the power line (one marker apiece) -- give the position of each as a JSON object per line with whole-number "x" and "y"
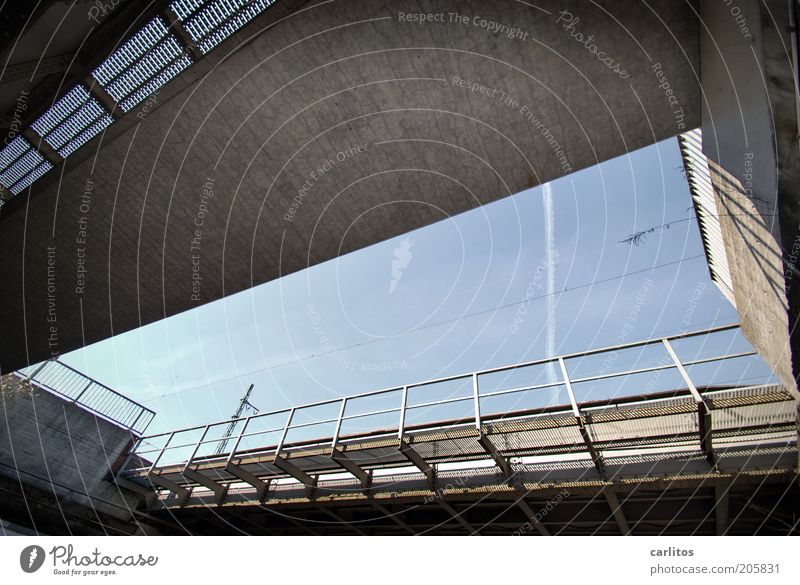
{"x": 430, "y": 325}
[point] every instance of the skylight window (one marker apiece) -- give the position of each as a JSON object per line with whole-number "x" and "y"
{"x": 98, "y": 126}
{"x": 75, "y": 114}
{"x": 22, "y": 165}
{"x": 134, "y": 71}
{"x": 31, "y": 177}
{"x": 155, "y": 83}
{"x": 13, "y": 151}
{"x": 217, "y": 19}
{"x": 132, "y": 50}
{"x": 61, "y": 110}
{"x": 75, "y": 123}
{"x": 142, "y": 65}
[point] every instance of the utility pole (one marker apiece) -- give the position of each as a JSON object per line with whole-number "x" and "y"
{"x": 244, "y": 403}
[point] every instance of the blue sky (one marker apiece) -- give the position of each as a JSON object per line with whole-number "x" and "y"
{"x": 497, "y": 285}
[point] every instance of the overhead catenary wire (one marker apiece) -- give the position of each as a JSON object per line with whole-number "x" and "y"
{"x": 428, "y": 326}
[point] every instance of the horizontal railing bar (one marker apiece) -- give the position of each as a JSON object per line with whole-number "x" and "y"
{"x": 439, "y": 402}
{"x": 256, "y": 433}
{"x": 669, "y": 366}
{"x": 521, "y": 389}
{"x": 311, "y": 424}
{"x": 540, "y": 361}
{"x": 373, "y": 413}
{"x": 720, "y": 358}
{"x": 611, "y": 348}
{"x": 181, "y": 446}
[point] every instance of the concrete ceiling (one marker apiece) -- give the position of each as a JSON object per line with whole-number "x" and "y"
{"x": 233, "y": 141}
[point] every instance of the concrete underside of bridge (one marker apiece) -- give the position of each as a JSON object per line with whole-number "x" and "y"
{"x": 322, "y": 128}
{"x": 256, "y": 125}
{"x": 746, "y": 505}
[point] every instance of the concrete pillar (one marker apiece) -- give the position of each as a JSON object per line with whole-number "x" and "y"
{"x": 749, "y": 123}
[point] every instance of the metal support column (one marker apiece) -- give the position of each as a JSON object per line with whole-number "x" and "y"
{"x": 237, "y": 470}
{"x": 220, "y": 490}
{"x": 597, "y": 458}
{"x": 703, "y": 413}
{"x": 616, "y": 510}
{"x": 290, "y": 468}
{"x": 157, "y": 479}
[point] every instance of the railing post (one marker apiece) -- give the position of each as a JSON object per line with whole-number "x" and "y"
{"x": 161, "y": 453}
{"x": 682, "y": 370}
{"x": 81, "y": 393}
{"x": 568, "y": 384}
{"x": 476, "y": 399}
{"x": 335, "y": 440}
{"x": 197, "y": 445}
{"x": 704, "y": 421}
{"x": 404, "y": 401}
{"x": 239, "y": 438}
{"x": 283, "y": 434}
{"x": 132, "y": 426}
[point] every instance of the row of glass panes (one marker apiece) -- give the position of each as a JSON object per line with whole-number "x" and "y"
{"x": 134, "y": 71}
{"x": 22, "y": 165}
{"x": 217, "y": 20}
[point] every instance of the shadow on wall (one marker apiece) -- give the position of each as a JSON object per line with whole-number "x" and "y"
{"x": 756, "y": 266}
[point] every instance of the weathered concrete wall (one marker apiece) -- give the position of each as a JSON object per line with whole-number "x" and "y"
{"x": 450, "y": 114}
{"x": 55, "y": 464}
{"x": 750, "y": 137}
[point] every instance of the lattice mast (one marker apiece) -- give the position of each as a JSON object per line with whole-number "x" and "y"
{"x": 244, "y": 404}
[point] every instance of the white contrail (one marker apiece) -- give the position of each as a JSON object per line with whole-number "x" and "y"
{"x": 551, "y": 258}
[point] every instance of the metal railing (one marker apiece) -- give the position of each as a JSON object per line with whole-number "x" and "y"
{"x": 570, "y": 392}
{"x": 78, "y": 388}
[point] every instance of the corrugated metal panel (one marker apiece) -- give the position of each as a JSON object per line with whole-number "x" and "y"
{"x": 705, "y": 204}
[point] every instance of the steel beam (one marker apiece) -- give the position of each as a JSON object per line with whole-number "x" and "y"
{"x": 364, "y": 477}
{"x": 456, "y": 516}
{"x": 501, "y": 461}
{"x": 102, "y": 96}
{"x": 309, "y": 482}
{"x": 247, "y": 477}
{"x": 42, "y": 146}
{"x": 597, "y": 457}
{"x": 393, "y": 517}
{"x": 704, "y": 427}
{"x": 342, "y": 521}
{"x": 411, "y": 454}
{"x": 183, "y": 36}
{"x": 721, "y": 507}
{"x": 616, "y": 510}
{"x": 168, "y": 484}
{"x": 220, "y": 490}
{"x": 526, "y": 509}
